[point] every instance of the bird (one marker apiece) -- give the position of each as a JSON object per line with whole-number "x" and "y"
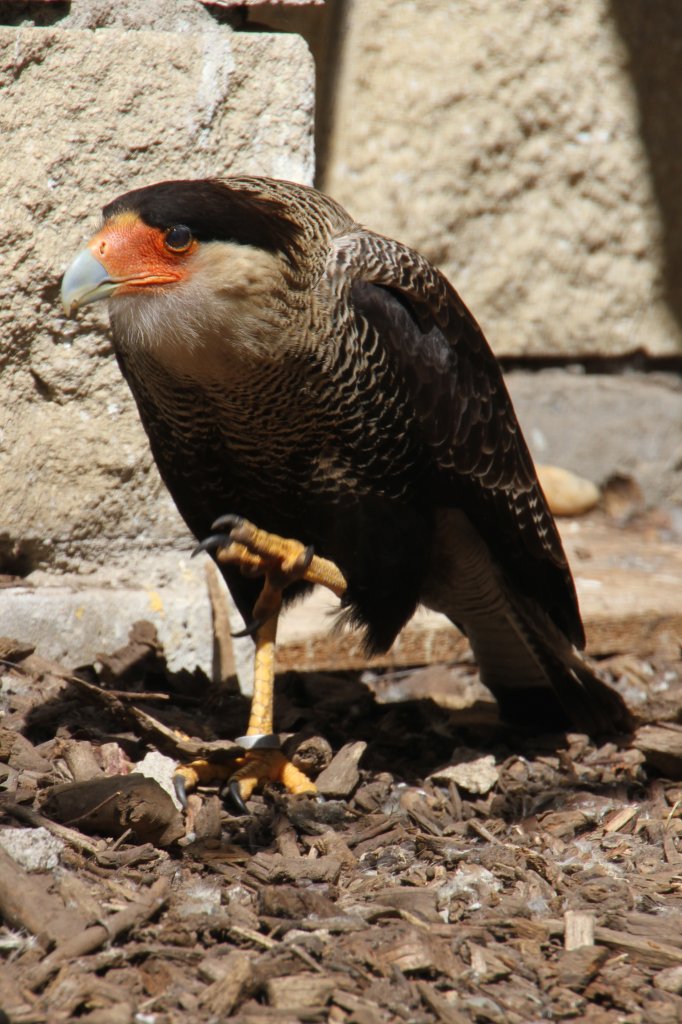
{"x": 324, "y": 409}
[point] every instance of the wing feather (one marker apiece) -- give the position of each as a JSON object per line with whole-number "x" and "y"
{"x": 465, "y": 414}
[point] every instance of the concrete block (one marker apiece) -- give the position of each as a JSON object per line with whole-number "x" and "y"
{"x": 74, "y": 618}
{"x": 505, "y": 141}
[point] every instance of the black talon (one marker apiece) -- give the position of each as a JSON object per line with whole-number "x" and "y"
{"x": 228, "y": 522}
{"x": 232, "y": 795}
{"x": 307, "y": 557}
{"x": 216, "y": 540}
{"x": 180, "y": 790}
{"x": 249, "y": 630}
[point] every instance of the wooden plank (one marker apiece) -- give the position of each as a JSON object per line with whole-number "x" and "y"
{"x": 262, "y": 3}
{"x": 629, "y": 586}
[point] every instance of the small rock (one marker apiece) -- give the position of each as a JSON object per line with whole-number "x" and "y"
{"x": 567, "y": 493}
{"x": 477, "y": 776}
{"x": 299, "y": 991}
{"x": 34, "y": 849}
{"x": 471, "y": 879}
{"x": 162, "y": 769}
{"x": 202, "y": 897}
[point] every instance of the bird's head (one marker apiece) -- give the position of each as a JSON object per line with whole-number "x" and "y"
{"x": 180, "y": 260}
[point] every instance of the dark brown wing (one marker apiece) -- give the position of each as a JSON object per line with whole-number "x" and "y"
{"x": 466, "y": 416}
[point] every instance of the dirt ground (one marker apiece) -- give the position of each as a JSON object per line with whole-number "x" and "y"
{"x": 454, "y": 871}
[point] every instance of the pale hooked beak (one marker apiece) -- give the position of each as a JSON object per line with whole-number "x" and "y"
{"x": 86, "y": 280}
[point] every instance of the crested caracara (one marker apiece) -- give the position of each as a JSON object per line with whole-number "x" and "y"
{"x": 303, "y": 377}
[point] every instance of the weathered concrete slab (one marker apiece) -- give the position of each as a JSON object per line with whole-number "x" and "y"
{"x": 73, "y": 619}
{"x": 506, "y": 142}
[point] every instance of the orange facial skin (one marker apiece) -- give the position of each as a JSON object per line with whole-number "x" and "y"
{"x": 136, "y": 255}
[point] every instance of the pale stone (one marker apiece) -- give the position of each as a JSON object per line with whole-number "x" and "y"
{"x": 669, "y": 979}
{"x": 73, "y": 619}
{"x": 568, "y": 494}
{"x": 200, "y": 897}
{"x": 157, "y": 766}
{"x": 470, "y": 879}
{"x": 477, "y": 776}
{"x": 160, "y": 15}
{"x": 34, "y": 849}
{"x": 504, "y": 141}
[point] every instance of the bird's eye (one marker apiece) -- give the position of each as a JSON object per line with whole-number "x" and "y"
{"x": 178, "y": 238}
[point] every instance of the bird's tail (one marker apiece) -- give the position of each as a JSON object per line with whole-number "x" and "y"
{"x": 539, "y": 679}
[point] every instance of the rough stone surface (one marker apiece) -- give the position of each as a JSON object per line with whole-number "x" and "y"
{"x": 504, "y": 141}
{"x": 34, "y": 849}
{"x": 92, "y": 114}
{"x": 160, "y": 15}
{"x": 603, "y": 425}
{"x": 73, "y": 617}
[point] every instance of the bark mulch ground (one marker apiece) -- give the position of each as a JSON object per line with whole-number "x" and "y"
{"x": 455, "y": 871}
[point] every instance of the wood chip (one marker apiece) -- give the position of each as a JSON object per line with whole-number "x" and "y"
{"x": 662, "y": 747}
{"x": 577, "y": 968}
{"x": 444, "y": 1012}
{"x": 578, "y": 929}
{"x": 113, "y": 805}
{"x": 14, "y": 651}
{"x": 409, "y": 953}
{"x": 234, "y": 976}
{"x": 420, "y": 903}
{"x": 80, "y": 759}
{"x": 658, "y": 954}
{"x": 27, "y": 903}
{"x": 335, "y": 845}
{"x": 224, "y": 671}
{"x": 267, "y": 868}
{"x": 83, "y": 942}
{"x": 290, "y": 902}
{"x": 619, "y": 819}
{"x": 299, "y": 990}
{"x": 341, "y": 777}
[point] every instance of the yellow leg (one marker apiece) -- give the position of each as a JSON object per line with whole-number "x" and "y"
{"x": 263, "y": 700}
{"x": 281, "y": 562}
{"x": 269, "y": 765}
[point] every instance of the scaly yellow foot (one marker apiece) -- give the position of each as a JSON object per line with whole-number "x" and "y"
{"x": 281, "y": 562}
{"x": 254, "y": 770}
